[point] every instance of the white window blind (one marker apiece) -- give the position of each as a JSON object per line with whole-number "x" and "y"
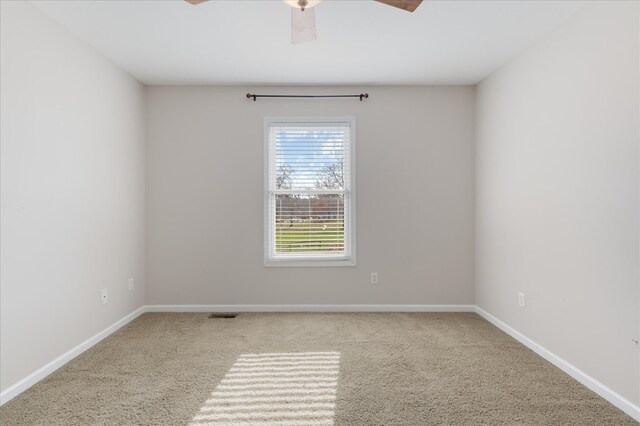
{"x": 309, "y": 190}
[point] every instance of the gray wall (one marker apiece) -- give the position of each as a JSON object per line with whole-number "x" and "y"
{"x": 72, "y": 184}
{"x": 414, "y": 198}
{"x": 557, "y": 190}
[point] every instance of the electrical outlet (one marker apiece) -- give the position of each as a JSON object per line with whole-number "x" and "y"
{"x": 521, "y": 299}
{"x": 104, "y": 296}
{"x": 130, "y": 284}
{"x": 374, "y": 278}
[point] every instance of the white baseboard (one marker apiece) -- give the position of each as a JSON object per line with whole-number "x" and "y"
{"x": 591, "y": 383}
{"x": 310, "y": 308}
{"x": 24, "y": 384}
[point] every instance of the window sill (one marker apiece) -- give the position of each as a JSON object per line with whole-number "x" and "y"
{"x": 309, "y": 263}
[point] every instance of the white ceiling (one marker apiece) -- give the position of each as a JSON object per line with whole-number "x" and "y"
{"x": 359, "y": 42}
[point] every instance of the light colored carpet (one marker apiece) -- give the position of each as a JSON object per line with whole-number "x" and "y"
{"x": 394, "y": 369}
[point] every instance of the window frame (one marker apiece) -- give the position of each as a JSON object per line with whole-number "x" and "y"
{"x": 350, "y": 218}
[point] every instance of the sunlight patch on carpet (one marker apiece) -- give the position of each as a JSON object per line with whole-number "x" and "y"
{"x": 275, "y": 389}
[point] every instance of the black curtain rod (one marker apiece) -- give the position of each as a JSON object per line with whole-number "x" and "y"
{"x": 254, "y": 96}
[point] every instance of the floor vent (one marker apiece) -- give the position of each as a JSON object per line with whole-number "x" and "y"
{"x": 221, "y": 315}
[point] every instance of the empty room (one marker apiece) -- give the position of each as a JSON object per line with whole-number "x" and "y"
{"x": 319, "y": 212}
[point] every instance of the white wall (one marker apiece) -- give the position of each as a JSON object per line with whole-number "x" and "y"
{"x": 414, "y": 198}
{"x": 72, "y": 184}
{"x": 557, "y": 190}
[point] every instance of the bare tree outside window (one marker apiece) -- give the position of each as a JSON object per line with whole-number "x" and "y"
{"x": 331, "y": 176}
{"x": 283, "y": 177}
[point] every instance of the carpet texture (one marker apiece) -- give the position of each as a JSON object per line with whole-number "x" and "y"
{"x": 275, "y": 388}
{"x": 393, "y": 369}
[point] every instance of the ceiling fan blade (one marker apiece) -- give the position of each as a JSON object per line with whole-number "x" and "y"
{"x": 195, "y": 2}
{"x": 303, "y": 25}
{"x": 408, "y": 5}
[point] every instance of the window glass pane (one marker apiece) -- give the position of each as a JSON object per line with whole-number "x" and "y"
{"x": 309, "y": 224}
{"x": 309, "y": 157}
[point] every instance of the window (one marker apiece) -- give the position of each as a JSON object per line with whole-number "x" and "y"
{"x": 309, "y": 192}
